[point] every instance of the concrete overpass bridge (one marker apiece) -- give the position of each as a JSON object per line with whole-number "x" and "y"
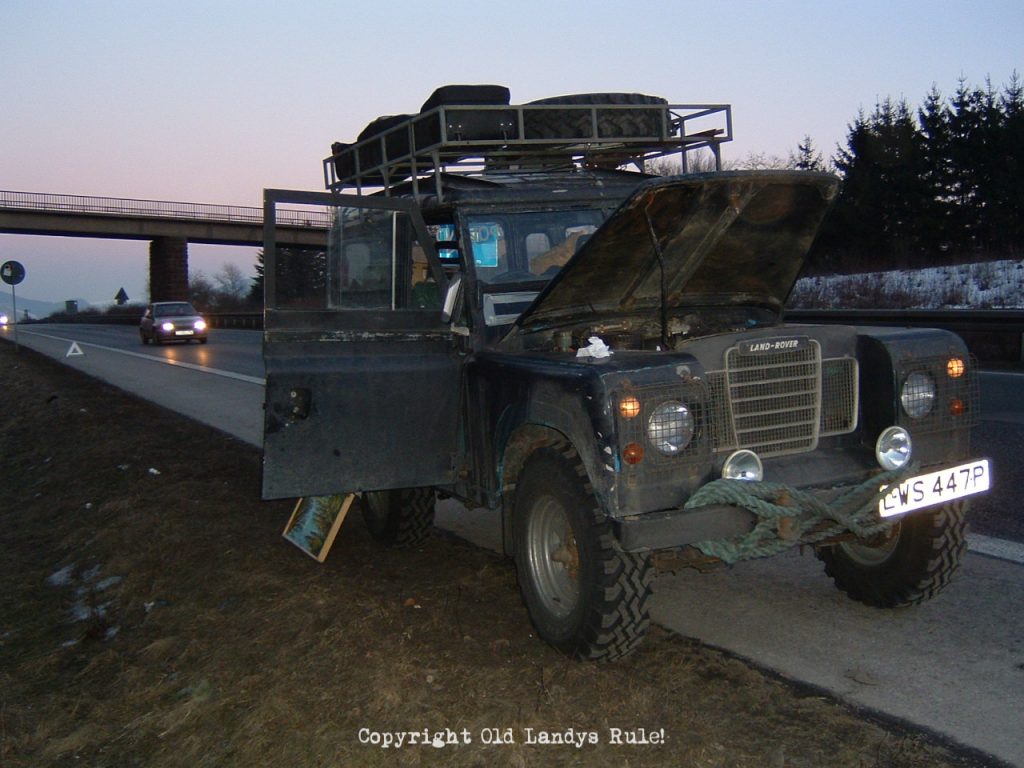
{"x": 169, "y": 227}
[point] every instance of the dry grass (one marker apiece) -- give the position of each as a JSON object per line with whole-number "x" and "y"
{"x": 222, "y": 645}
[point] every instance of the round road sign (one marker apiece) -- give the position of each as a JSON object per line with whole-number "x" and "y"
{"x": 12, "y": 272}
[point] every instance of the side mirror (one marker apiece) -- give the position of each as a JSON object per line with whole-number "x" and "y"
{"x": 451, "y": 299}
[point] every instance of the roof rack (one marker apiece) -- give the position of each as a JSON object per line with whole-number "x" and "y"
{"x": 556, "y": 134}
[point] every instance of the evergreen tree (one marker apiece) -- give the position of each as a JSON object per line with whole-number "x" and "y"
{"x": 1006, "y": 216}
{"x": 875, "y": 215}
{"x": 807, "y": 157}
{"x": 948, "y": 185}
{"x": 256, "y": 289}
{"x": 935, "y": 219}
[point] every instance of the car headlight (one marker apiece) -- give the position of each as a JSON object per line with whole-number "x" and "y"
{"x": 918, "y": 395}
{"x": 168, "y": 326}
{"x": 670, "y": 428}
{"x": 200, "y": 325}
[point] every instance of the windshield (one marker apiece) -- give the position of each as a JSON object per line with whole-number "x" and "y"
{"x": 529, "y": 246}
{"x": 178, "y": 309}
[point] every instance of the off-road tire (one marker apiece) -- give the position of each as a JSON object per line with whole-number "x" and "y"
{"x": 912, "y": 565}
{"x": 611, "y": 123}
{"x": 399, "y": 518}
{"x": 584, "y": 596}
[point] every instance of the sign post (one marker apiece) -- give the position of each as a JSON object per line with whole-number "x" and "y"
{"x": 12, "y": 273}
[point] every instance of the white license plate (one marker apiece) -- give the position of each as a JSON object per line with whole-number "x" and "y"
{"x": 935, "y": 488}
{"x": 184, "y": 333}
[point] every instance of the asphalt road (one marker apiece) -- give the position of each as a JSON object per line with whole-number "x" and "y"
{"x": 954, "y": 665}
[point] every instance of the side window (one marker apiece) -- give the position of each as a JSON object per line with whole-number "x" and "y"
{"x": 488, "y": 244}
{"x": 547, "y": 261}
{"x": 371, "y": 260}
{"x": 536, "y": 244}
{"x": 490, "y": 248}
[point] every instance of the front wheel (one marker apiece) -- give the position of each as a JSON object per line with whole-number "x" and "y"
{"x": 910, "y": 564}
{"x": 584, "y": 596}
{"x": 400, "y": 518}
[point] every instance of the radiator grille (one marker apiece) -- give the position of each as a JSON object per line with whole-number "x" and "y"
{"x": 781, "y": 402}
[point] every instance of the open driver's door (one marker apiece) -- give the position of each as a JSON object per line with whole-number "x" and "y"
{"x": 362, "y": 370}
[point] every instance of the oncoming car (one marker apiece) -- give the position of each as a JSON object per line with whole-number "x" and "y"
{"x": 172, "y": 321}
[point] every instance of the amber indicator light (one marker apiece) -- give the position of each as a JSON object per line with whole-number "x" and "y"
{"x": 955, "y": 367}
{"x": 629, "y": 407}
{"x": 633, "y": 453}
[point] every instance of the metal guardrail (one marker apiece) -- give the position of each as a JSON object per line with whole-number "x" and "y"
{"x": 242, "y": 320}
{"x": 45, "y": 202}
{"x": 994, "y": 336}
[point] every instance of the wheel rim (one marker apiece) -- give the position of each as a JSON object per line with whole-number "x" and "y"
{"x": 875, "y": 553}
{"x": 553, "y": 557}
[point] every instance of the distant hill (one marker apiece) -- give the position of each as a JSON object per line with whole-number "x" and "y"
{"x": 36, "y": 309}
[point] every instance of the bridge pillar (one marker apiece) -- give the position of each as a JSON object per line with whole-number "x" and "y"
{"x": 168, "y": 269}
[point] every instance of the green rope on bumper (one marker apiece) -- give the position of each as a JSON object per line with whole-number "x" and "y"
{"x": 786, "y": 516}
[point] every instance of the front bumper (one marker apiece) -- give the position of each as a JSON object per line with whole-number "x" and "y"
{"x": 726, "y": 510}
{"x": 179, "y": 334}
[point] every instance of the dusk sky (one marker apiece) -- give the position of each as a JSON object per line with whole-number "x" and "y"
{"x": 212, "y": 101}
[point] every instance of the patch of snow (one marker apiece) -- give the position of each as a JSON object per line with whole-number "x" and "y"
{"x": 984, "y": 285}
{"x": 80, "y": 612}
{"x": 62, "y": 577}
{"x": 107, "y": 583}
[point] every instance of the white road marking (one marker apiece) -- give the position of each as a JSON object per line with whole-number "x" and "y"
{"x": 1002, "y": 549}
{"x": 157, "y": 359}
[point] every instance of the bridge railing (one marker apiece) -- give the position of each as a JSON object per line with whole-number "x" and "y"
{"x": 158, "y": 209}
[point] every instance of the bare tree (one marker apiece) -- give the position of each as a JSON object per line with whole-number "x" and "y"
{"x": 700, "y": 161}
{"x": 762, "y": 161}
{"x": 201, "y": 291}
{"x": 231, "y": 282}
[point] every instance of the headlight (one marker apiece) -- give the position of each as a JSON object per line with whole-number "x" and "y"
{"x": 893, "y": 448}
{"x": 918, "y": 395}
{"x": 670, "y": 428}
{"x": 200, "y": 325}
{"x": 168, "y": 326}
{"x": 743, "y": 465}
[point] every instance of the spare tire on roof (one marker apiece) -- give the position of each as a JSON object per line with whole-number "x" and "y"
{"x": 467, "y": 124}
{"x": 466, "y": 94}
{"x": 344, "y": 165}
{"x": 396, "y": 142}
{"x": 611, "y": 123}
